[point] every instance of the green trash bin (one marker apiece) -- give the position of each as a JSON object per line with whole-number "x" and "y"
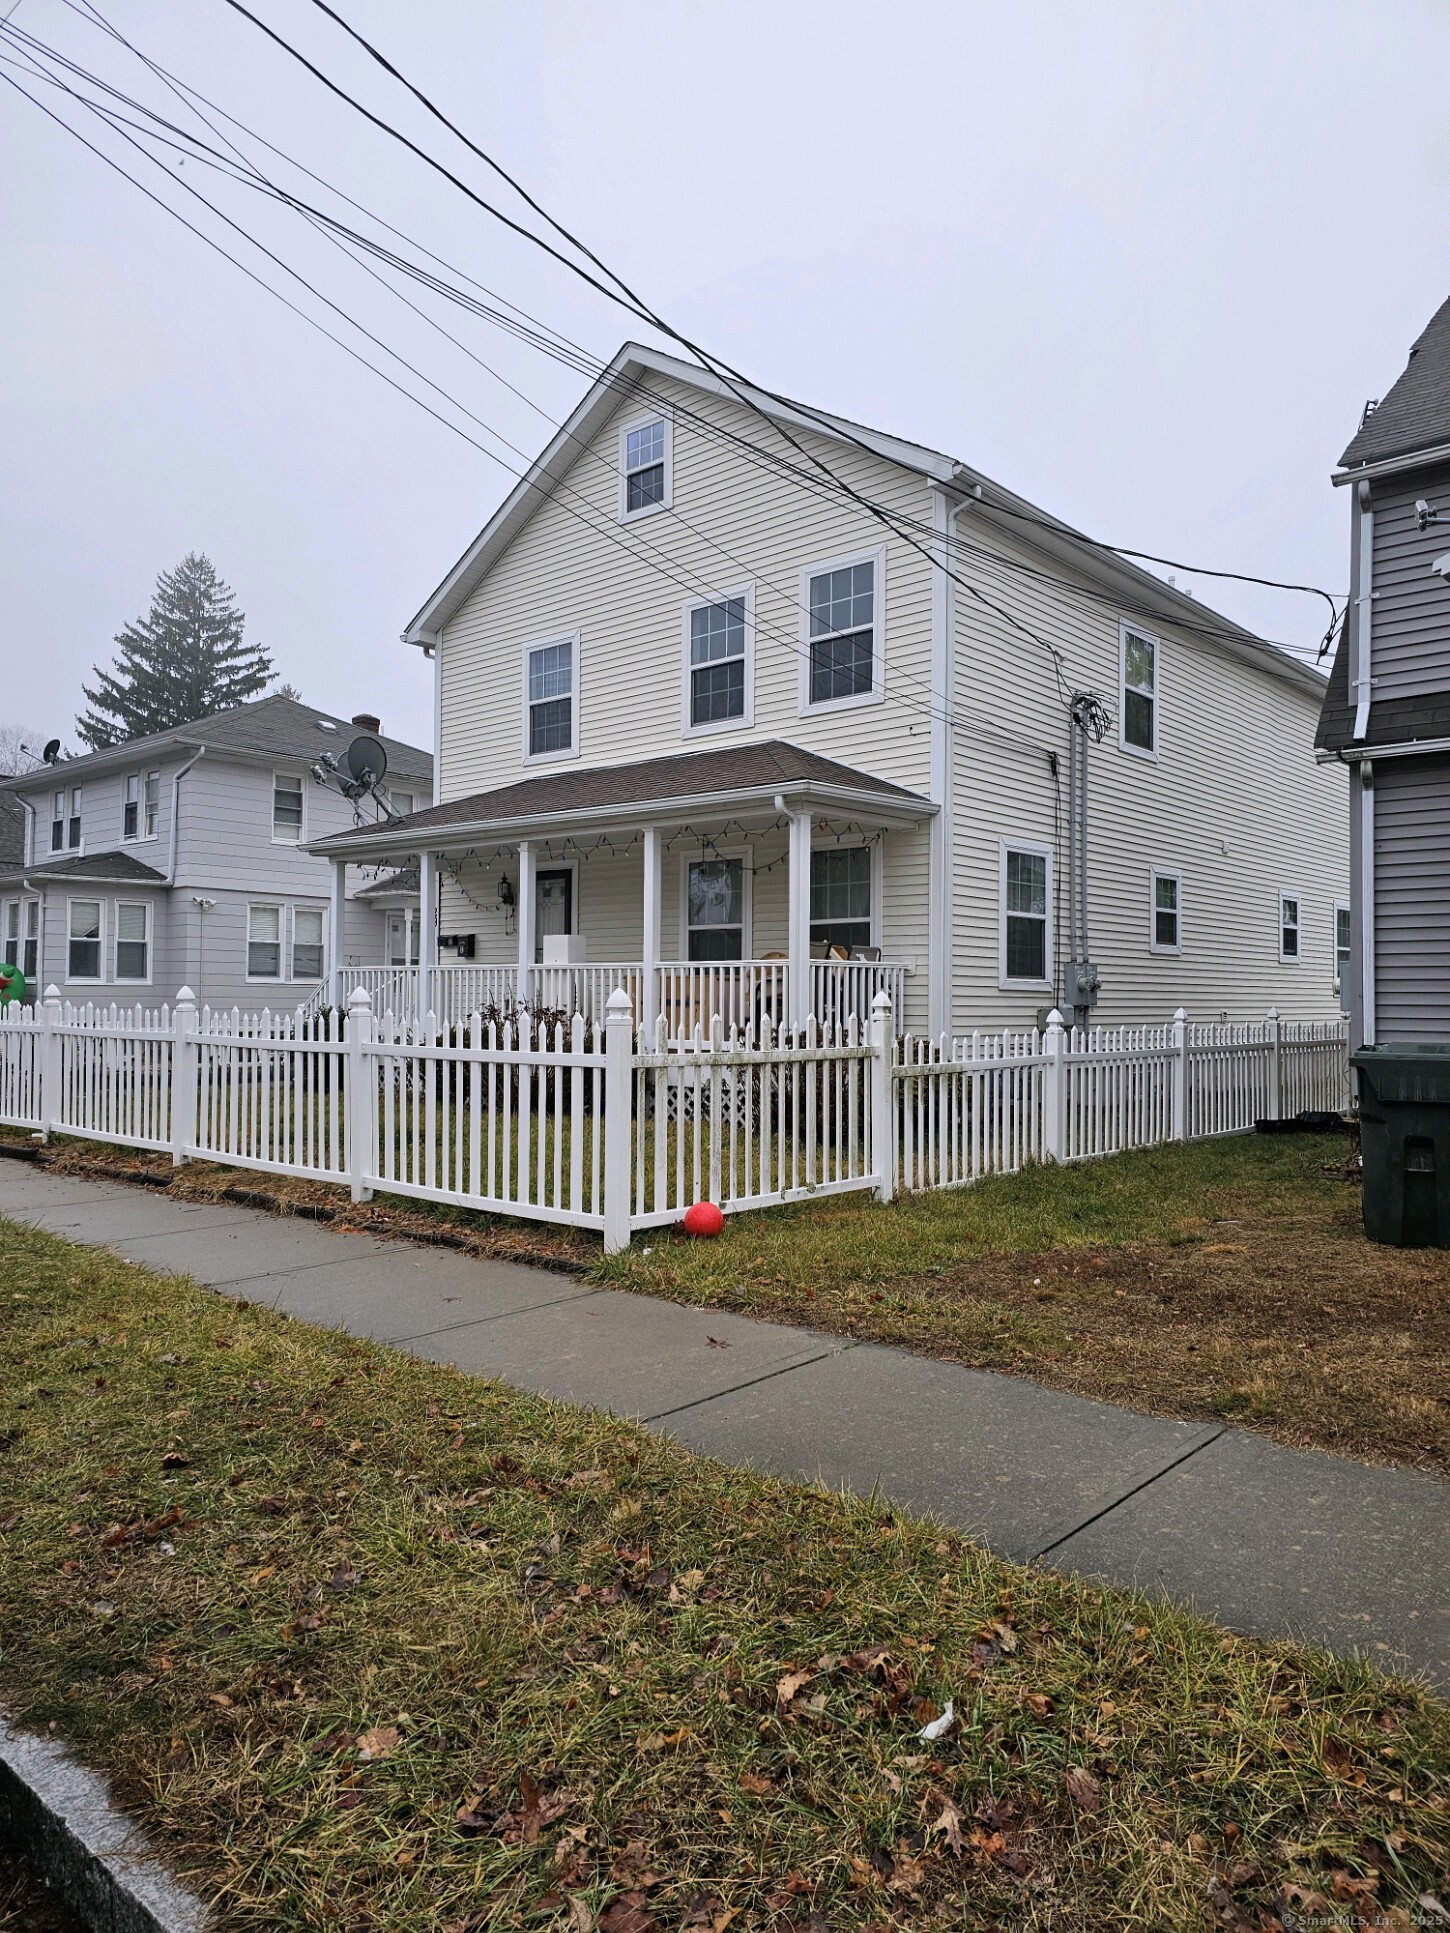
{"x": 1404, "y": 1117}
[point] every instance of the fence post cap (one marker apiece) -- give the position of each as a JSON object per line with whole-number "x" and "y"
{"x": 881, "y": 1002}
{"x": 360, "y": 998}
{"x": 619, "y": 1005}
{"x": 1055, "y": 1019}
{"x": 52, "y": 992}
{"x": 1273, "y": 1013}
{"x": 185, "y": 997}
{"x": 1180, "y": 1013}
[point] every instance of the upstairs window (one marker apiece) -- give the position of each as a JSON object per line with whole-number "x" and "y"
{"x": 264, "y": 942}
{"x": 1026, "y": 943}
{"x": 83, "y": 951}
{"x": 65, "y": 820}
{"x": 1140, "y": 693}
{"x": 287, "y": 808}
{"x": 1167, "y": 890}
{"x": 841, "y": 897}
{"x": 133, "y": 940}
{"x": 549, "y": 728}
{"x": 717, "y": 672}
{"x": 843, "y": 648}
{"x": 151, "y": 804}
{"x": 141, "y": 805}
{"x": 644, "y": 468}
{"x": 1288, "y": 926}
{"x": 401, "y": 802}
{"x": 307, "y": 943}
{"x": 715, "y": 909}
{"x": 131, "y": 807}
{"x": 57, "y": 821}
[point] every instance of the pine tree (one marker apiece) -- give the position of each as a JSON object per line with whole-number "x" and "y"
{"x": 186, "y": 658}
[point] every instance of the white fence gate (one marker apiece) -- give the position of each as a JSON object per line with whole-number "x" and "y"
{"x": 598, "y": 1127}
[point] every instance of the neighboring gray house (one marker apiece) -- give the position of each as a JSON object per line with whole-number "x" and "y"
{"x": 1387, "y": 710}
{"x": 180, "y": 859}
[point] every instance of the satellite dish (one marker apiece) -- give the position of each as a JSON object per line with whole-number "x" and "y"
{"x": 366, "y": 760}
{"x": 52, "y": 751}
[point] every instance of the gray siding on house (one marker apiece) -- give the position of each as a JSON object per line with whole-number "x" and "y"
{"x": 1412, "y": 899}
{"x": 1410, "y": 636}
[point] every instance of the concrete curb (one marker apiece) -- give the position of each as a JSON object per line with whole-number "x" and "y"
{"x": 62, "y": 1817}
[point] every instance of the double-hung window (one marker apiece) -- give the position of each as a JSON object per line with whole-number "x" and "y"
{"x": 133, "y": 940}
{"x": 131, "y": 807}
{"x": 307, "y": 942}
{"x": 1139, "y": 731}
{"x": 30, "y": 955}
{"x": 550, "y": 698}
{"x": 715, "y": 909}
{"x": 717, "y": 663}
{"x": 644, "y": 469}
{"x": 1343, "y": 944}
{"x": 1166, "y": 935}
{"x": 57, "y": 821}
{"x": 841, "y": 896}
{"x": 65, "y": 825}
{"x": 10, "y": 953}
{"x": 842, "y": 657}
{"x": 287, "y": 807}
{"x": 264, "y": 942}
{"x": 83, "y": 944}
{"x": 1026, "y": 936}
{"x": 1288, "y": 927}
{"x": 140, "y": 805}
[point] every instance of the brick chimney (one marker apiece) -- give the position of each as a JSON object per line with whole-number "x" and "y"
{"x": 365, "y": 722}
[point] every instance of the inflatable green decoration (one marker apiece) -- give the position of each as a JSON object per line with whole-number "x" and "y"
{"x": 12, "y": 983}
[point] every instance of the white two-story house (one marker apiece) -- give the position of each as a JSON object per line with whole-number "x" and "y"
{"x": 181, "y": 859}
{"x": 746, "y": 735}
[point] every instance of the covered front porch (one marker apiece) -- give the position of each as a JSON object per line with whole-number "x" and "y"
{"x": 763, "y": 886}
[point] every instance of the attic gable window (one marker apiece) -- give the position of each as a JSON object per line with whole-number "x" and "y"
{"x": 1139, "y": 712}
{"x": 550, "y": 695}
{"x": 644, "y": 467}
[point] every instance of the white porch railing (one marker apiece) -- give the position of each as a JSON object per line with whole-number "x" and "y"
{"x": 600, "y": 1126}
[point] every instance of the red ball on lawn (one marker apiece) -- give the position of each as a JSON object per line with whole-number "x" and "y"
{"x": 703, "y": 1219}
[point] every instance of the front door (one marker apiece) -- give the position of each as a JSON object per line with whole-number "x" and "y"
{"x": 553, "y": 906}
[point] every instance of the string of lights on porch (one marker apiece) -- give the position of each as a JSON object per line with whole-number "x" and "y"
{"x": 552, "y": 851}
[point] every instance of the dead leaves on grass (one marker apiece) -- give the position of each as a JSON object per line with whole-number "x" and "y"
{"x": 379, "y": 1742}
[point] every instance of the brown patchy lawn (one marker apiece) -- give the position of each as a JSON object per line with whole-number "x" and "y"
{"x": 1225, "y": 1280}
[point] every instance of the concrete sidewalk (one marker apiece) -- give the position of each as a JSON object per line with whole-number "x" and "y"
{"x": 1274, "y": 1542}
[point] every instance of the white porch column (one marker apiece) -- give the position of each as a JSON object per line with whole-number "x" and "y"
{"x": 427, "y": 931}
{"x": 526, "y": 919}
{"x": 798, "y": 887}
{"x": 337, "y": 930}
{"x": 653, "y": 913}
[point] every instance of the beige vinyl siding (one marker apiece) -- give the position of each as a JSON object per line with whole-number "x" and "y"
{"x": 1235, "y": 805}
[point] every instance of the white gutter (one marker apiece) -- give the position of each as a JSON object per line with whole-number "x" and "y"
{"x": 1407, "y": 748}
{"x": 177, "y": 777}
{"x": 1393, "y": 465}
{"x": 1359, "y": 683}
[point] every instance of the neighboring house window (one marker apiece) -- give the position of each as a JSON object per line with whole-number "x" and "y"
{"x": 65, "y": 826}
{"x": 287, "y": 808}
{"x": 1026, "y": 942}
{"x": 841, "y": 896}
{"x": 1342, "y": 946}
{"x": 549, "y": 729}
{"x": 403, "y": 934}
{"x": 843, "y": 604}
{"x": 141, "y": 805}
{"x": 133, "y": 940}
{"x": 717, "y": 663}
{"x": 57, "y": 822}
{"x": 151, "y": 804}
{"x": 644, "y": 467}
{"x": 83, "y": 954}
{"x": 1288, "y": 926}
{"x": 401, "y": 802}
{"x": 715, "y": 909}
{"x": 11, "y": 952}
{"x": 1140, "y": 692}
{"x": 21, "y": 943}
{"x": 307, "y": 943}
{"x": 1167, "y": 913}
{"x": 30, "y": 958}
{"x": 264, "y": 942}
{"x": 73, "y": 823}
{"x": 131, "y": 807}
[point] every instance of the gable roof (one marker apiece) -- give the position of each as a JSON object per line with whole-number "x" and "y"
{"x": 1415, "y": 415}
{"x": 626, "y": 380}
{"x": 1419, "y": 718}
{"x": 732, "y": 778}
{"x": 275, "y": 727}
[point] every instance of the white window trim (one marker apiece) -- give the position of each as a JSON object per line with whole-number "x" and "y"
{"x": 140, "y": 837}
{"x": 86, "y": 979}
{"x": 746, "y": 720}
{"x": 1148, "y": 637}
{"x": 1046, "y": 983}
{"x": 877, "y": 694}
{"x": 291, "y": 954}
{"x": 278, "y": 978}
{"x": 1340, "y": 906}
{"x": 1291, "y": 959}
{"x": 641, "y": 422}
{"x": 878, "y": 889}
{"x": 571, "y": 638}
{"x": 278, "y": 839}
{"x": 747, "y": 902}
{"x": 149, "y": 908}
{"x": 1155, "y": 874}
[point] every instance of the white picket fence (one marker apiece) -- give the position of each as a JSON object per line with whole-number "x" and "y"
{"x": 599, "y": 1127}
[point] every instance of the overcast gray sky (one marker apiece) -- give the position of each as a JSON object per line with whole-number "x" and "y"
{"x": 1141, "y": 262}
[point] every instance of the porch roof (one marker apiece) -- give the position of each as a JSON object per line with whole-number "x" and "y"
{"x": 86, "y": 869}
{"x": 738, "y": 779}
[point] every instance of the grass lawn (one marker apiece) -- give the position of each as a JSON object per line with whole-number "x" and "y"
{"x": 1227, "y": 1280}
{"x": 368, "y": 1643}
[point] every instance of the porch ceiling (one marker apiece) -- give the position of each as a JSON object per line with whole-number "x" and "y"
{"x": 743, "y": 782}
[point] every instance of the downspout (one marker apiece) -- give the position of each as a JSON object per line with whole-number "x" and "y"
{"x": 1363, "y": 546}
{"x": 177, "y": 777}
{"x": 941, "y": 772}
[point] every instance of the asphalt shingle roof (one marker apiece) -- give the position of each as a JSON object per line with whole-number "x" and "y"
{"x": 110, "y": 868}
{"x": 1415, "y": 415}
